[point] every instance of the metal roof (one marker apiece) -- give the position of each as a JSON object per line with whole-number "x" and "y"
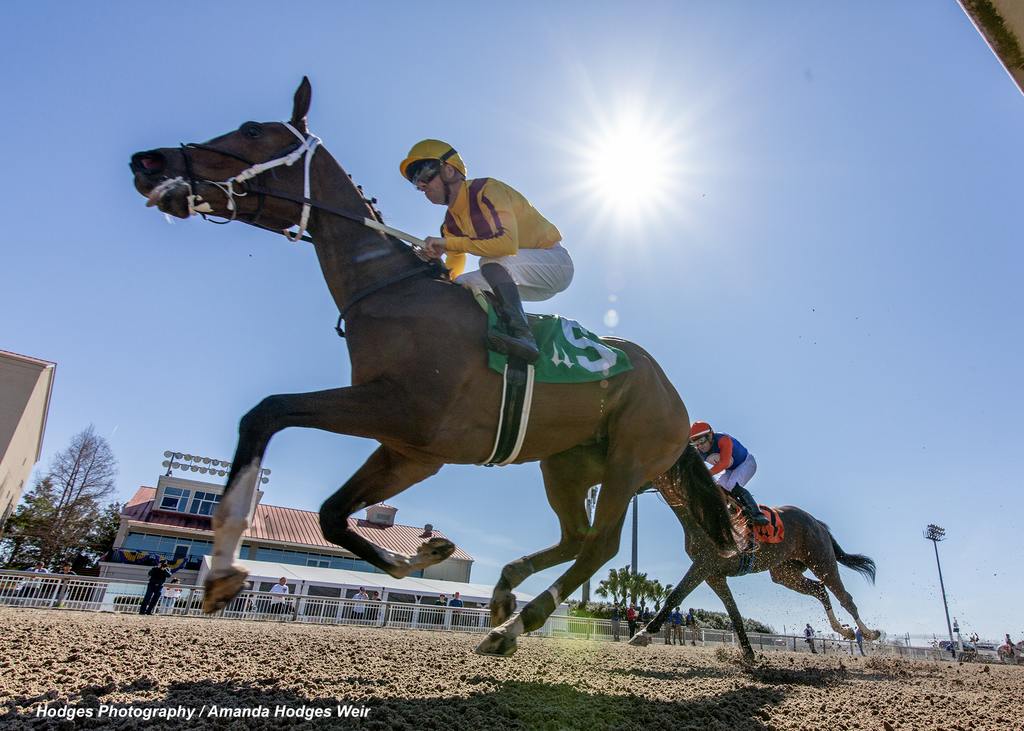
{"x": 289, "y": 526}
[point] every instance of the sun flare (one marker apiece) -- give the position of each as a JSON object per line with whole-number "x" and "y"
{"x": 629, "y": 166}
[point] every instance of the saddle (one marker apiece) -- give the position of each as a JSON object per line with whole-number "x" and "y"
{"x": 774, "y": 532}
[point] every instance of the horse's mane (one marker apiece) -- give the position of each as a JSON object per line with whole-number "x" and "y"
{"x": 689, "y": 484}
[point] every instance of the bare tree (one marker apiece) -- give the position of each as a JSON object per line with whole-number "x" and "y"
{"x": 54, "y": 522}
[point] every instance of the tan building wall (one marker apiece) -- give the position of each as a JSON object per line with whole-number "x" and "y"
{"x": 25, "y": 388}
{"x": 1011, "y": 12}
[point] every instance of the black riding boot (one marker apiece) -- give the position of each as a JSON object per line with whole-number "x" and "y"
{"x": 519, "y": 343}
{"x": 746, "y": 500}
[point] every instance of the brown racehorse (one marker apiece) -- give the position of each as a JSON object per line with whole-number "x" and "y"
{"x": 420, "y": 384}
{"x": 807, "y": 544}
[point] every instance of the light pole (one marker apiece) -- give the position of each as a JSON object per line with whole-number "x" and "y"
{"x": 636, "y": 505}
{"x": 935, "y": 534}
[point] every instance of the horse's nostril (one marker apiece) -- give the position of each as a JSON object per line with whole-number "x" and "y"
{"x": 149, "y": 163}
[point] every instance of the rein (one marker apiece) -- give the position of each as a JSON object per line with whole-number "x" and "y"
{"x": 306, "y": 146}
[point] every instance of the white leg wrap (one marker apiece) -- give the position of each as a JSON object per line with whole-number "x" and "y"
{"x": 232, "y": 518}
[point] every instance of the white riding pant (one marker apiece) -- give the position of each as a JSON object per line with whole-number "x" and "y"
{"x": 539, "y": 274}
{"x": 738, "y": 476}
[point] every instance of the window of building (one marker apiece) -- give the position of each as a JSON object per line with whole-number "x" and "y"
{"x": 203, "y": 503}
{"x": 166, "y": 545}
{"x": 322, "y": 563}
{"x": 175, "y": 498}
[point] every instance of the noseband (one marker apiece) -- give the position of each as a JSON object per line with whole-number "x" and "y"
{"x": 305, "y": 147}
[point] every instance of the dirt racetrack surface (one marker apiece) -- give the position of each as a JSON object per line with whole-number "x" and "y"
{"x": 61, "y": 661}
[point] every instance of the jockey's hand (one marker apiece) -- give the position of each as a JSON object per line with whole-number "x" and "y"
{"x": 434, "y": 247}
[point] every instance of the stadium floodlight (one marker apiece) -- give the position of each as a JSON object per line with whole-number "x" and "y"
{"x": 205, "y": 466}
{"x": 935, "y": 534}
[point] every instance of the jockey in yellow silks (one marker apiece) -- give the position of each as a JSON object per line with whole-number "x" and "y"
{"x": 521, "y": 257}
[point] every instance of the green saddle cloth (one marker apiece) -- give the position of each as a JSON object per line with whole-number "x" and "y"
{"x": 569, "y": 353}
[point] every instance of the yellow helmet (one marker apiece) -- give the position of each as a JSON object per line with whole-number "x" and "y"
{"x": 432, "y": 150}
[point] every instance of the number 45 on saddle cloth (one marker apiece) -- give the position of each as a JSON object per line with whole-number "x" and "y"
{"x": 569, "y": 353}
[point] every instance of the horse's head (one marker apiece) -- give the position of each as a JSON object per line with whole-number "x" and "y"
{"x": 221, "y": 177}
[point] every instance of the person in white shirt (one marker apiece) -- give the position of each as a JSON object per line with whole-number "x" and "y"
{"x": 278, "y": 603}
{"x": 29, "y": 588}
{"x": 169, "y": 596}
{"x": 359, "y": 608}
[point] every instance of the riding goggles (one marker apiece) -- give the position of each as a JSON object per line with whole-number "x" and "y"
{"x": 422, "y": 172}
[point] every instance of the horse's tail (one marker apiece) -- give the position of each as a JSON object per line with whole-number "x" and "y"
{"x": 689, "y": 481}
{"x": 857, "y": 562}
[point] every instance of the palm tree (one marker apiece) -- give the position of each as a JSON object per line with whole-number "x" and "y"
{"x": 616, "y": 585}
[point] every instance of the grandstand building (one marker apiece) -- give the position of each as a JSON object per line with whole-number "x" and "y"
{"x": 173, "y": 521}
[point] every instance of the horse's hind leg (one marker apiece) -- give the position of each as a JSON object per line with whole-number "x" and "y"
{"x": 567, "y": 477}
{"x": 831, "y": 579}
{"x": 791, "y": 575}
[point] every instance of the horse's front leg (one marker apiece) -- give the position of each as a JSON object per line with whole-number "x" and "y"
{"x": 371, "y": 410}
{"x": 690, "y": 581}
{"x": 720, "y": 586}
{"x": 385, "y": 474}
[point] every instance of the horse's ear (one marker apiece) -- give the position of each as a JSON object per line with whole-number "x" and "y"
{"x": 303, "y": 96}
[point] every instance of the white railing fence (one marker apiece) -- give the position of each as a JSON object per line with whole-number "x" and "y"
{"x": 58, "y": 591}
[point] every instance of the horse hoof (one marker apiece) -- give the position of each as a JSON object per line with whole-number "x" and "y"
{"x": 220, "y": 590}
{"x": 435, "y": 550}
{"x": 497, "y": 644}
{"x": 503, "y": 606}
{"x": 640, "y": 639}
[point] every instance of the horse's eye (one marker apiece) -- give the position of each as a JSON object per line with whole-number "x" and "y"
{"x": 252, "y": 130}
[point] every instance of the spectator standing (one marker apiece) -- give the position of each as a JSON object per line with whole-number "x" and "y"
{"x": 280, "y": 590}
{"x": 169, "y": 596}
{"x": 29, "y": 588}
{"x": 809, "y": 637}
{"x": 372, "y": 611}
{"x": 616, "y": 621}
{"x": 859, "y": 636}
{"x": 691, "y": 622}
{"x": 65, "y": 570}
{"x": 631, "y": 617}
{"x": 359, "y": 608}
{"x": 675, "y": 621}
{"x": 456, "y": 601}
{"x": 158, "y": 575}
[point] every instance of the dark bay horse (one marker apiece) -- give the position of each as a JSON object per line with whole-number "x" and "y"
{"x": 807, "y": 544}
{"x": 420, "y": 383}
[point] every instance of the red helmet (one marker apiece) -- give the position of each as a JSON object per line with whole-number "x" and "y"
{"x": 699, "y": 428}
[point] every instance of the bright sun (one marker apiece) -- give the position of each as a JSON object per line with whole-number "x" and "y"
{"x": 629, "y": 166}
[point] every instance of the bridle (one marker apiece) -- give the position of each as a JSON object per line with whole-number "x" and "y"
{"x": 249, "y": 177}
{"x": 304, "y": 148}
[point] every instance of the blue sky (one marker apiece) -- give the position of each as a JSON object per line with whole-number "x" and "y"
{"x": 830, "y": 270}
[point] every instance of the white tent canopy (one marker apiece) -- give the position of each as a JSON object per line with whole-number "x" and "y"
{"x": 305, "y": 576}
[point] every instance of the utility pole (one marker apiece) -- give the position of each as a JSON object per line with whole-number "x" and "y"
{"x": 935, "y": 534}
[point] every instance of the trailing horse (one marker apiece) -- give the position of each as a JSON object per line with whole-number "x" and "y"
{"x": 420, "y": 383}
{"x": 806, "y": 544}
